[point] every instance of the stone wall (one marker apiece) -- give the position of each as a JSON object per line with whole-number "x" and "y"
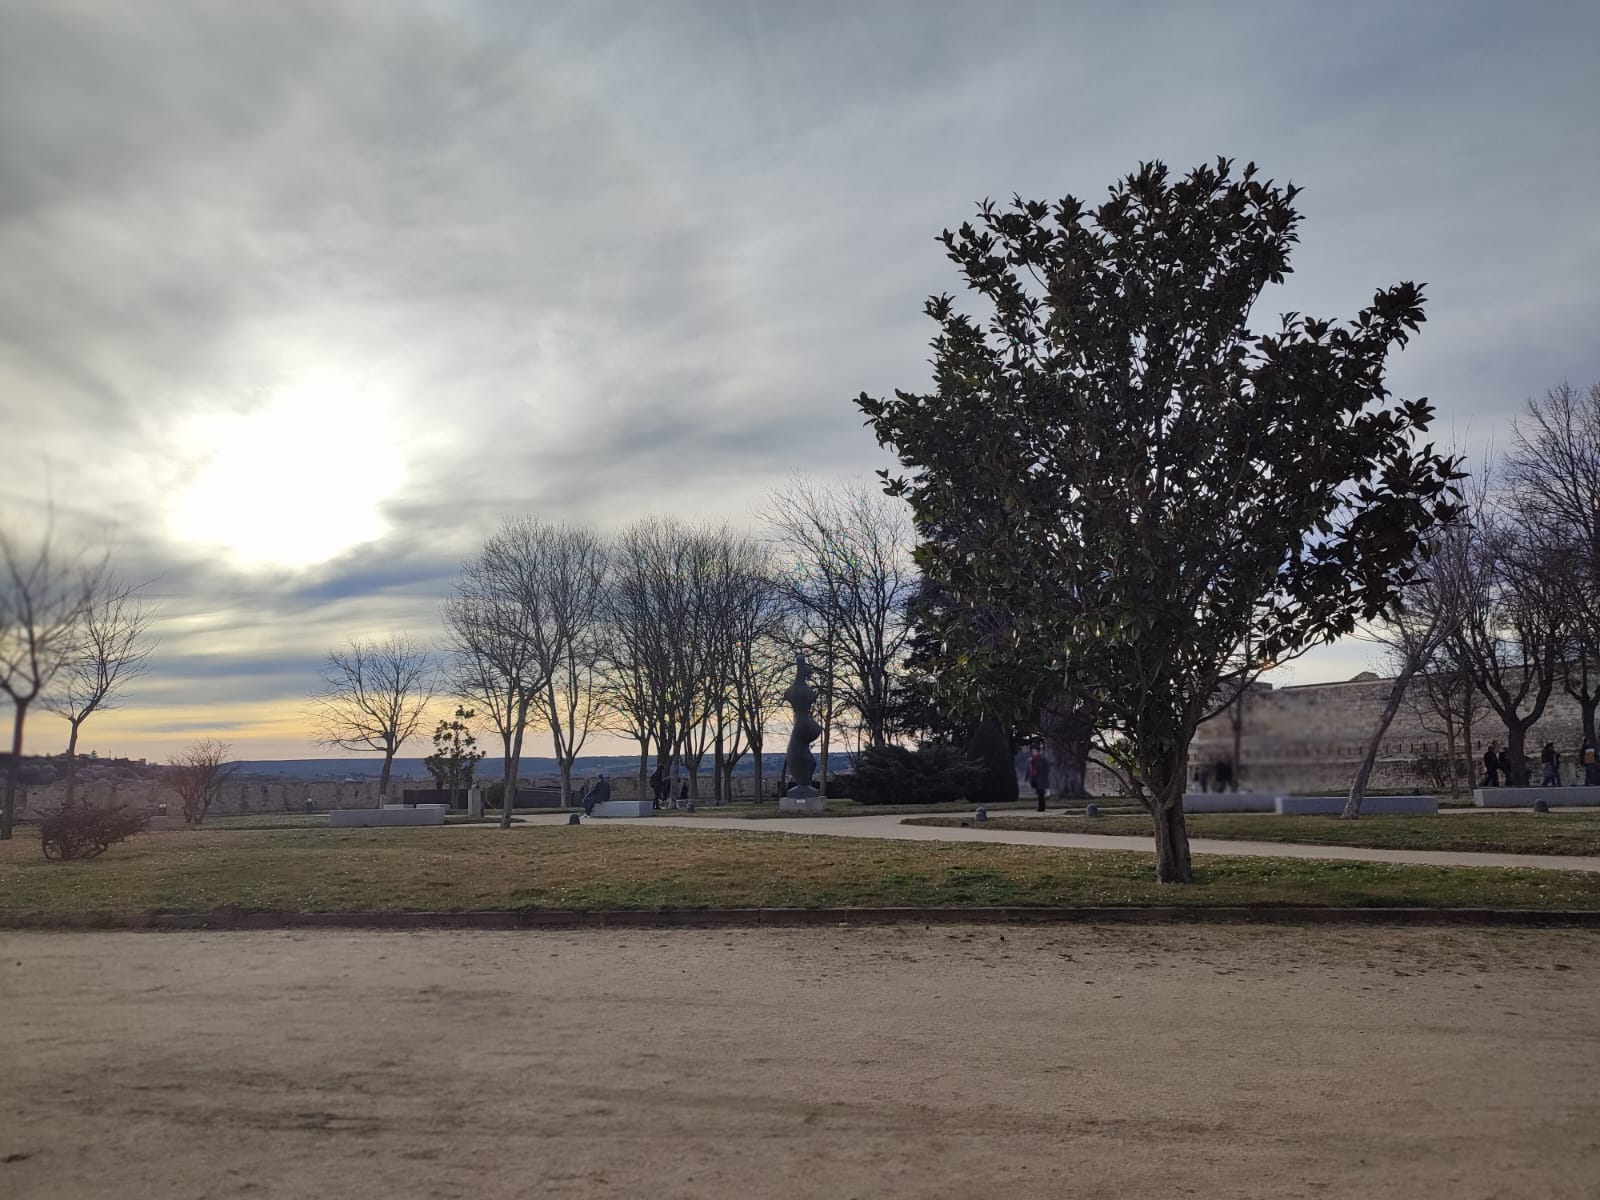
{"x": 1310, "y": 738}
{"x": 236, "y": 798}
{"x": 259, "y": 796}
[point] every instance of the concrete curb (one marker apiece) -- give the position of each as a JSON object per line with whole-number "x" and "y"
{"x": 225, "y": 920}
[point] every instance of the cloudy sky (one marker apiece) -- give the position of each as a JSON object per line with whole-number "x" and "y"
{"x": 297, "y": 299}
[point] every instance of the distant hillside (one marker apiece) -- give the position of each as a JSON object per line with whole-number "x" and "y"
{"x": 371, "y": 766}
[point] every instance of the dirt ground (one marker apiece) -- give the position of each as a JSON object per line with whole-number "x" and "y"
{"x": 812, "y": 1063}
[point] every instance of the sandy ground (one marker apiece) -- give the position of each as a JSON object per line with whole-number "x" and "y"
{"x": 814, "y": 1063}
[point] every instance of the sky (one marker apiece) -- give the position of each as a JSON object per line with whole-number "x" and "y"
{"x": 299, "y": 299}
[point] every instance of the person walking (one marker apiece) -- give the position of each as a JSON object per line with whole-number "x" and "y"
{"x": 1223, "y": 774}
{"x": 1039, "y": 776}
{"x": 1589, "y": 760}
{"x": 1491, "y": 768}
{"x": 1552, "y": 766}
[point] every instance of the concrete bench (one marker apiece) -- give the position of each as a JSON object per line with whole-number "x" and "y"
{"x": 1371, "y": 806}
{"x": 1555, "y": 797}
{"x": 622, "y": 808}
{"x": 341, "y": 818}
{"x": 1229, "y": 802}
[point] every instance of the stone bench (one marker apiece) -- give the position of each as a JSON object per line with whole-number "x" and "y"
{"x": 341, "y": 818}
{"x": 622, "y": 808}
{"x": 1555, "y": 797}
{"x": 1229, "y": 802}
{"x": 1371, "y": 806}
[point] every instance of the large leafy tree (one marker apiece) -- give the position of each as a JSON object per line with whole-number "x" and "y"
{"x": 1142, "y": 482}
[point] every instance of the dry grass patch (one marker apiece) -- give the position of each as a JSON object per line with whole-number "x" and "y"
{"x": 641, "y": 867}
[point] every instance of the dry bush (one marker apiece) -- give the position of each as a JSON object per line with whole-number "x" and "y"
{"x": 84, "y": 832}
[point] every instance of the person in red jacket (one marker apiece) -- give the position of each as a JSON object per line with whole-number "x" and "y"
{"x": 1039, "y": 776}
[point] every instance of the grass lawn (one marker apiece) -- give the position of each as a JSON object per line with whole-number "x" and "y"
{"x": 843, "y": 808}
{"x": 641, "y": 867}
{"x": 1505, "y": 832}
{"x": 319, "y": 820}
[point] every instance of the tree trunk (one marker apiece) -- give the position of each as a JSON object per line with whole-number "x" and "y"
{"x": 1358, "y": 787}
{"x": 1238, "y": 739}
{"x": 8, "y": 809}
{"x": 719, "y": 763}
{"x": 1587, "y": 708}
{"x": 383, "y": 779}
{"x": 1516, "y": 754}
{"x": 1452, "y": 758}
{"x": 1172, "y": 842}
{"x": 513, "y": 764}
{"x": 644, "y": 766}
{"x": 566, "y": 783}
{"x": 1066, "y": 736}
{"x": 72, "y": 763}
{"x": 1466, "y": 742}
{"x": 755, "y": 748}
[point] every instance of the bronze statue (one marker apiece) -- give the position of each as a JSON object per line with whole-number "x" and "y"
{"x": 800, "y": 764}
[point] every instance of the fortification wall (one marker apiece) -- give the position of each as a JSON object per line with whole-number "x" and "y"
{"x": 1311, "y": 738}
{"x": 261, "y": 796}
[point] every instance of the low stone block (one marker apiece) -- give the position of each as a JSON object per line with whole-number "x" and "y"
{"x": 621, "y": 808}
{"x": 343, "y": 818}
{"x": 1371, "y": 806}
{"x": 807, "y": 806}
{"x": 1555, "y": 797}
{"x": 1229, "y": 802}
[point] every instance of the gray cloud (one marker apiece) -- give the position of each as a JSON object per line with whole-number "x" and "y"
{"x": 596, "y": 260}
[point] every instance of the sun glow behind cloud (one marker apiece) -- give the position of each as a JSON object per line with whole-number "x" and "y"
{"x": 295, "y": 482}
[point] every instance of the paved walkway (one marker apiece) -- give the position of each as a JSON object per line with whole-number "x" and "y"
{"x": 893, "y": 827}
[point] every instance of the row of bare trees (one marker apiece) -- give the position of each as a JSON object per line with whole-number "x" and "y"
{"x": 1505, "y": 607}
{"x": 679, "y": 637}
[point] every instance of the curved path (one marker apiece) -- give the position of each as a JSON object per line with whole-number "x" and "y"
{"x": 893, "y": 827}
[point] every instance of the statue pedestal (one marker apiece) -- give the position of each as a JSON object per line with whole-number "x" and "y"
{"x": 804, "y": 802}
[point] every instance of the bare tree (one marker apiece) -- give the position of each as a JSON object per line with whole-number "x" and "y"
{"x": 500, "y": 640}
{"x": 655, "y": 639}
{"x": 761, "y": 666}
{"x": 373, "y": 697}
{"x": 851, "y": 550}
{"x": 1512, "y": 632}
{"x": 1426, "y": 617}
{"x": 198, "y": 775}
{"x": 1553, "y": 473}
{"x": 46, "y": 595}
{"x": 1446, "y": 702}
{"x": 746, "y": 614}
{"x": 574, "y": 584}
{"x": 113, "y": 648}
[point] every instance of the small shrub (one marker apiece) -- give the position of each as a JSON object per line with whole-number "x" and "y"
{"x": 84, "y": 832}
{"x": 841, "y": 786}
{"x": 931, "y": 775}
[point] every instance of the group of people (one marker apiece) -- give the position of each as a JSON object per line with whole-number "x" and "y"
{"x": 1497, "y": 766}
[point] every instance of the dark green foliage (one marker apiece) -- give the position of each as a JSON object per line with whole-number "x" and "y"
{"x": 990, "y": 747}
{"x": 931, "y": 775}
{"x": 1121, "y": 485}
{"x": 84, "y": 832}
{"x": 841, "y": 786}
{"x": 455, "y": 756}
